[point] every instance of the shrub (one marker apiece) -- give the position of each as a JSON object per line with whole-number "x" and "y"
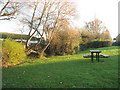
{"x": 12, "y": 53}
{"x": 64, "y": 42}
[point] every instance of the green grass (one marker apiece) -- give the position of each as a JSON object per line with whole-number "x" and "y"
{"x": 72, "y": 71}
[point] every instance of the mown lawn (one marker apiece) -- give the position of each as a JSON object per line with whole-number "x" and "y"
{"x": 72, "y": 71}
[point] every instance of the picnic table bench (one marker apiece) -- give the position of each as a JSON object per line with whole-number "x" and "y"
{"x": 97, "y": 55}
{"x": 101, "y": 56}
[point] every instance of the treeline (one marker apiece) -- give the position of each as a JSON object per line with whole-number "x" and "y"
{"x": 5, "y": 35}
{"x": 51, "y": 22}
{"x": 71, "y": 41}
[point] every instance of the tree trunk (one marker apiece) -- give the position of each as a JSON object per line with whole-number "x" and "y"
{"x": 43, "y": 50}
{"x": 29, "y": 39}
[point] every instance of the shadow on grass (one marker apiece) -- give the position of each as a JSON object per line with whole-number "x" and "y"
{"x": 71, "y": 74}
{"x": 76, "y": 62}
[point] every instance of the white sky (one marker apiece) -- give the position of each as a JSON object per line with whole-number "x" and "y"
{"x": 105, "y": 10}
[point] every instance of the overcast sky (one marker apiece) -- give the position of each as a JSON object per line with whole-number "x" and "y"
{"x": 105, "y": 10}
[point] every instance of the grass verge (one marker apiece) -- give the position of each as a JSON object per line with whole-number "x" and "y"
{"x": 71, "y": 71}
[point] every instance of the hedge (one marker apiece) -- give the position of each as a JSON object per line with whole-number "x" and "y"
{"x": 116, "y": 43}
{"x": 95, "y": 44}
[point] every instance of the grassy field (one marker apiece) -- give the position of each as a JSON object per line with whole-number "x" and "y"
{"x": 72, "y": 71}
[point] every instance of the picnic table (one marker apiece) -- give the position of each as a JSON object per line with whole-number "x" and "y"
{"x": 97, "y": 54}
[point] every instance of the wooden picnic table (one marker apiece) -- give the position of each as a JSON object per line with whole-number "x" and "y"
{"x": 97, "y": 54}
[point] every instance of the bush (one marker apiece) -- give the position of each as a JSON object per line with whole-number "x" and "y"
{"x": 12, "y": 53}
{"x": 64, "y": 43}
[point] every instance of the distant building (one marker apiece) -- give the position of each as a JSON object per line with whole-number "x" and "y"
{"x": 118, "y": 38}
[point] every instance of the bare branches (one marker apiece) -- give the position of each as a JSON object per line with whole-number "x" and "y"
{"x": 46, "y": 19}
{"x": 31, "y": 23}
{"x": 9, "y": 9}
{"x": 96, "y": 27}
{"x": 4, "y": 7}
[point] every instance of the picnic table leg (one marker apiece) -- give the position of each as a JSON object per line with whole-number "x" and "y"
{"x": 92, "y": 57}
{"x": 98, "y": 57}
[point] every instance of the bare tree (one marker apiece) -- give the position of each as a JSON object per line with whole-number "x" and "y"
{"x": 8, "y": 9}
{"x": 96, "y": 27}
{"x": 47, "y": 18}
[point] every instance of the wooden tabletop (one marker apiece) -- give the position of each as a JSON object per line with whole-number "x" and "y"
{"x": 95, "y": 51}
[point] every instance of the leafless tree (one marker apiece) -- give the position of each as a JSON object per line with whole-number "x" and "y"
{"x": 47, "y": 18}
{"x": 96, "y": 27}
{"x": 9, "y": 8}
